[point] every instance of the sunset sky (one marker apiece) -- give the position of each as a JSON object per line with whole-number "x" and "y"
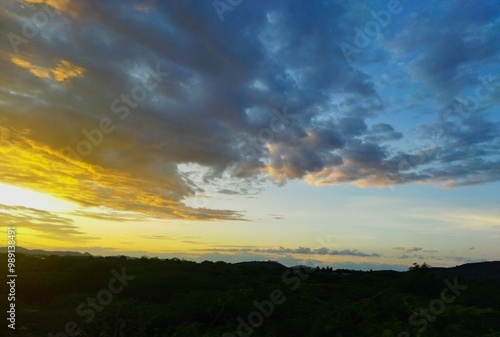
{"x": 358, "y": 134}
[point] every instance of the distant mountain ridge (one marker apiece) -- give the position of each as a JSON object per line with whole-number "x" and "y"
{"x": 476, "y": 270}
{"x": 44, "y": 252}
{"x": 261, "y": 264}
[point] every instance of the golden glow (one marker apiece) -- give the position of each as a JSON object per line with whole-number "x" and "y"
{"x": 16, "y": 196}
{"x": 35, "y": 70}
{"x": 336, "y": 176}
{"x": 65, "y": 6}
{"x": 63, "y": 72}
{"x": 32, "y": 165}
{"x": 473, "y": 219}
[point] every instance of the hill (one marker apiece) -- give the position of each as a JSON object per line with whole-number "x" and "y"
{"x": 40, "y": 252}
{"x": 261, "y": 264}
{"x": 476, "y": 270}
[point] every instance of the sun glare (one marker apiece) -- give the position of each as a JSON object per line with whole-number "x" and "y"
{"x": 16, "y": 196}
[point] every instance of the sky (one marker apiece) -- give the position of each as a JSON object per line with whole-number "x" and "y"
{"x": 352, "y": 134}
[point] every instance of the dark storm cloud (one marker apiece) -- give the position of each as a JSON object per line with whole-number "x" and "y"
{"x": 214, "y": 110}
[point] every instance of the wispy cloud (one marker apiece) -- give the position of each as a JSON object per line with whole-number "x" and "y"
{"x": 47, "y": 224}
{"x": 412, "y": 250}
{"x": 100, "y": 213}
{"x": 299, "y": 250}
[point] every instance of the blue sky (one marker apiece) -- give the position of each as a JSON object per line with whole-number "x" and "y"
{"x": 360, "y": 134}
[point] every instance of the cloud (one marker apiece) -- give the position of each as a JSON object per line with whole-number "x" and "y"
{"x": 212, "y": 121}
{"x": 411, "y": 256}
{"x": 48, "y": 224}
{"x": 299, "y": 250}
{"x": 383, "y": 132}
{"x": 412, "y": 250}
{"x": 93, "y": 186}
{"x": 35, "y": 70}
{"x": 104, "y": 214}
{"x": 70, "y": 7}
{"x": 157, "y": 237}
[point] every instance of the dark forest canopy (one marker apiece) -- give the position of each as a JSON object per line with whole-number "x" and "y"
{"x": 154, "y": 297}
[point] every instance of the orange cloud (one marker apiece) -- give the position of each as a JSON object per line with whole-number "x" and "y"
{"x": 65, "y": 6}
{"x": 63, "y": 72}
{"x": 29, "y": 164}
{"x": 35, "y": 70}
